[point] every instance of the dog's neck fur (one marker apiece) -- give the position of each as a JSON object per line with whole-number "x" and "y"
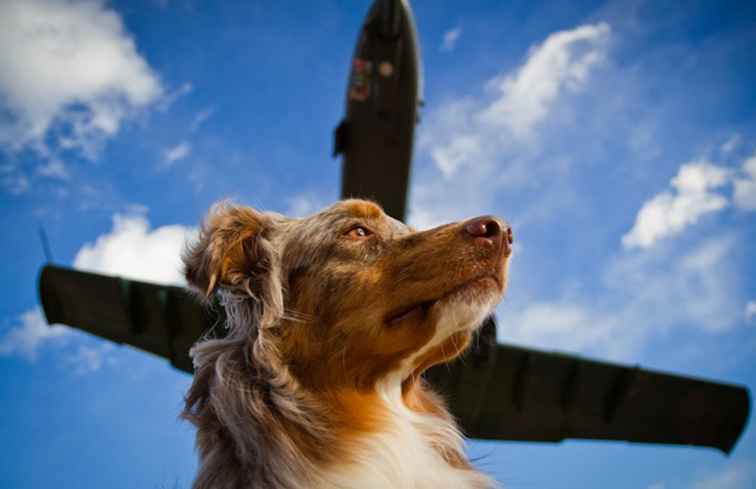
{"x": 259, "y": 428}
{"x": 415, "y": 450}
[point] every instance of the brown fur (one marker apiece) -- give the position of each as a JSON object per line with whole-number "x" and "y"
{"x": 318, "y": 316}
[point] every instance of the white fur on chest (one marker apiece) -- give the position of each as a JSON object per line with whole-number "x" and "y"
{"x": 403, "y": 457}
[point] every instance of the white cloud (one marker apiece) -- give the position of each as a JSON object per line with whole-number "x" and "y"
{"x": 563, "y": 61}
{"x": 53, "y": 168}
{"x": 87, "y": 359}
{"x": 132, "y": 250}
{"x": 68, "y": 70}
{"x": 450, "y": 39}
{"x": 303, "y": 205}
{"x": 669, "y": 213}
{"x": 561, "y": 325}
{"x": 731, "y": 143}
{"x": 175, "y": 94}
{"x": 450, "y": 157}
{"x": 750, "y": 310}
{"x": 472, "y": 141}
{"x": 745, "y": 188}
{"x": 201, "y": 117}
{"x": 176, "y": 153}
{"x": 643, "y": 294}
{"x": 30, "y": 335}
{"x": 474, "y": 132}
{"x": 33, "y": 333}
{"x": 13, "y": 180}
{"x": 736, "y": 475}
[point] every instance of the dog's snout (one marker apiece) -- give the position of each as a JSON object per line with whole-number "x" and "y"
{"x": 489, "y": 230}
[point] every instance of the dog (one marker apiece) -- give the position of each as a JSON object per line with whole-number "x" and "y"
{"x": 331, "y": 321}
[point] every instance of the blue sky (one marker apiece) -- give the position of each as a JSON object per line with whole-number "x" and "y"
{"x": 618, "y": 138}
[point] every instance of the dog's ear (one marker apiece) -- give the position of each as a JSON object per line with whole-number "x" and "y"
{"x": 228, "y": 252}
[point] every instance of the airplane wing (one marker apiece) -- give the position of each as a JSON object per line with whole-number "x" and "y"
{"x": 505, "y": 392}
{"x": 163, "y": 320}
{"x": 498, "y": 392}
{"x": 383, "y": 95}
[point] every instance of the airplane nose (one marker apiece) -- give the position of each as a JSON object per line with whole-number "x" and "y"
{"x": 489, "y": 231}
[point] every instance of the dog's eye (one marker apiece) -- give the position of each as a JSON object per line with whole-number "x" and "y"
{"x": 358, "y": 232}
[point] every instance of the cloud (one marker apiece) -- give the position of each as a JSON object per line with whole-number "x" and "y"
{"x": 87, "y": 359}
{"x": 562, "y": 62}
{"x": 481, "y": 144}
{"x": 12, "y": 180}
{"x": 303, "y": 205}
{"x": 201, "y": 117}
{"x": 450, "y": 39}
{"x": 30, "y": 335}
{"x": 731, "y": 143}
{"x": 669, "y": 213}
{"x": 134, "y": 251}
{"x": 562, "y": 325}
{"x": 745, "y": 188}
{"x": 475, "y": 132}
{"x": 33, "y": 333}
{"x": 750, "y": 310}
{"x": 70, "y": 74}
{"x": 688, "y": 289}
{"x": 176, "y": 153}
{"x": 736, "y": 475}
{"x": 173, "y": 95}
{"x": 53, "y": 168}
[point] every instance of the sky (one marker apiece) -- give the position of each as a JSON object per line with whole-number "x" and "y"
{"x": 618, "y": 138}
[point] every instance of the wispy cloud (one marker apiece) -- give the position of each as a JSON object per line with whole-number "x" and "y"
{"x": 731, "y": 143}
{"x": 201, "y": 117}
{"x": 669, "y": 213}
{"x": 487, "y": 141}
{"x": 470, "y": 130}
{"x": 70, "y": 71}
{"x": 449, "y": 41}
{"x": 30, "y": 334}
{"x": 735, "y": 475}
{"x": 87, "y": 359}
{"x": 53, "y": 168}
{"x": 175, "y": 153}
{"x": 696, "y": 192}
{"x": 13, "y": 180}
{"x": 172, "y": 96}
{"x": 134, "y": 251}
{"x": 562, "y": 62}
{"x": 685, "y": 289}
{"x": 303, "y": 205}
{"x": 745, "y": 187}
{"x": 29, "y": 338}
{"x": 750, "y": 310}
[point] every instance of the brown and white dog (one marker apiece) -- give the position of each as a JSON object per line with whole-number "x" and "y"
{"x": 332, "y": 319}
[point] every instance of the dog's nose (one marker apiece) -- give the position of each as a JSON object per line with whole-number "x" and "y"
{"x": 489, "y": 230}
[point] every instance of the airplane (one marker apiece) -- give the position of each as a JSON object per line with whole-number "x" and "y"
{"x": 497, "y": 391}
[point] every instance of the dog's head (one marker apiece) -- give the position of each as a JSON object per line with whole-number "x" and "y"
{"x": 350, "y": 296}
